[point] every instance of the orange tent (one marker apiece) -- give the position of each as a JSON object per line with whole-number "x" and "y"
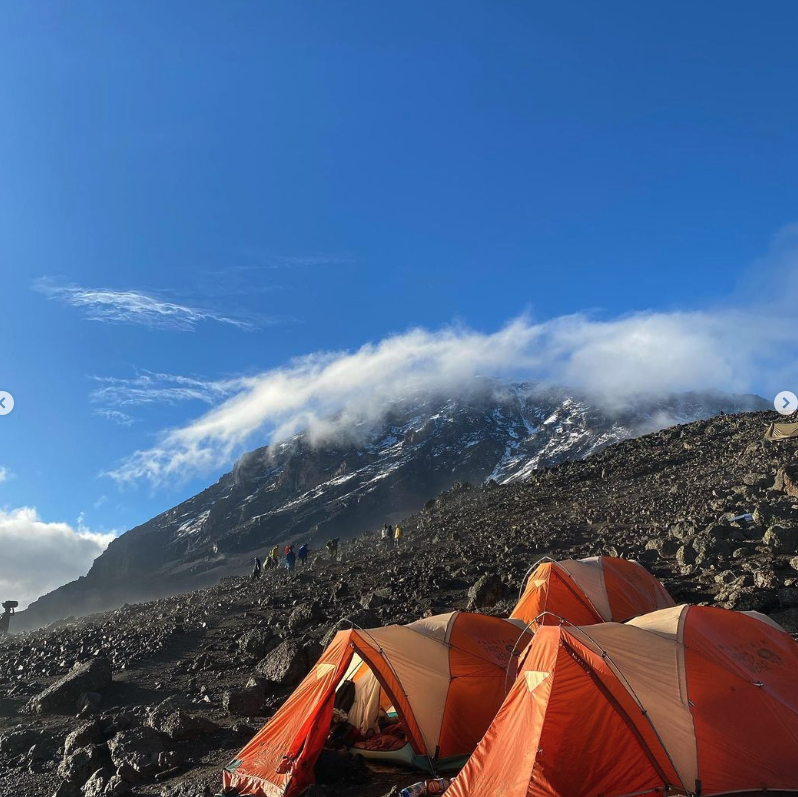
{"x": 586, "y": 591}
{"x": 696, "y": 700}
{"x": 445, "y": 677}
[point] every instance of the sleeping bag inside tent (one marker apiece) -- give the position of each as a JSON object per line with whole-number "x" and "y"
{"x": 421, "y": 694}
{"x": 687, "y": 700}
{"x": 586, "y": 591}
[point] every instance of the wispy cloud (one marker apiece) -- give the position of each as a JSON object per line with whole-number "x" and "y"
{"x": 120, "y": 418}
{"x": 151, "y": 387}
{"x": 39, "y": 556}
{"x": 136, "y": 307}
{"x": 747, "y": 343}
{"x": 5, "y": 474}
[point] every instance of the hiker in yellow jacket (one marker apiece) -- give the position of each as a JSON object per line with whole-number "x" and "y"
{"x": 397, "y": 536}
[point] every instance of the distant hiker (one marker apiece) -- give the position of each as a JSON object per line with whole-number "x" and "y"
{"x": 5, "y": 617}
{"x": 274, "y": 555}
{"x": 256, "y": 571}
{"x": 385, "y": 536}
{"x": 332, "y": 547}
{"x": 303, "y": 554}
{"x": 290, "y": 560}
{"x": 397, "y": 536}
{"x": 268, "y": 562}
{"x": 287, "y": 549}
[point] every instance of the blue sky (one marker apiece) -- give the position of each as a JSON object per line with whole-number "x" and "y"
{"x": 286, "y": 178}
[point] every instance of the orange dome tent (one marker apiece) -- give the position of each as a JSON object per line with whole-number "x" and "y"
{"x": 690, "y": 700}
{"x": 586, "y": 591}
{"x": 445, "y": 677}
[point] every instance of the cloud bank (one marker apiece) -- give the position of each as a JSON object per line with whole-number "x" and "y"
{"x": 37, "y": 557}
{"x": 617, "y": 361}
{"x": 135, "y": 307}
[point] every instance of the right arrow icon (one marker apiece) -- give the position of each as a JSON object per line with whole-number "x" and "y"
{"x": 786, "y": 402}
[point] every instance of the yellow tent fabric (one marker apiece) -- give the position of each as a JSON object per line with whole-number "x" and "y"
{"x": 781, "y": 431}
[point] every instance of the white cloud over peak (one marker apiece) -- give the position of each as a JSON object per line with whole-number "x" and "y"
{"x": 135, "y": 307}
{"x": 38, "y": 556}
{"x": 617, "y": 361}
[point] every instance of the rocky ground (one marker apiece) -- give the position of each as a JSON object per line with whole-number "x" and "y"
{"x": 154, "y": 699}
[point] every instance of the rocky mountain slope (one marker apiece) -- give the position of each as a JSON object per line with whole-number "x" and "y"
{"x": 358, "y": 480}
{"x": 194, "y": 676}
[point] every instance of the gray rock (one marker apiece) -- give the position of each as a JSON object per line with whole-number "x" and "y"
{"x": 289, "y": 662}
{"x": 86, "y": 734}
{"x": 89, "y": 702}
{"x": 92, "y": 676}
{"x": 181, "y": 726}
{"x": 80, "y": 765}
{"x": 66, "y": 789}
{"x": 304, "y": 615}
{"x": 486, "y": 592}
{"x": 19, "y": 741}
{"x": 782, "y": 540}
{"x": 257, "y": 643}
{"x": 244, "y": 702}
{"x": 664, "y": 546}
{"x": 95, "y": 785}
{"x": 137, "y": 748}
{"x": 786, "y": 480}
{"x": 116, "y": 787}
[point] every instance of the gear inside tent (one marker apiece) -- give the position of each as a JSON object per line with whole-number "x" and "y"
{"x": 419, "y": 695}
{"x": 594, "y": 590}
{"x": 688, "y": 700}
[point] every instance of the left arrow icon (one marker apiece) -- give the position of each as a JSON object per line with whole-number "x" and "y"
{"x": 6, "y": 402}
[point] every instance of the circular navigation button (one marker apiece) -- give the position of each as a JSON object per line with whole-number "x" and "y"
{"x": 786, "y": 402}
{"x": 6, "y": 402}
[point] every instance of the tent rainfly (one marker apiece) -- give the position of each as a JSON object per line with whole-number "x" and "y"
{"x": 586, "y": 591}
{"x": 781, "y": 431}
{"x": 444, "y": 676}
{"x": 688, "y": 700}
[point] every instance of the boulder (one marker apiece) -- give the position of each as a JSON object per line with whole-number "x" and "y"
{"x": 86, "y": 734}
{"x": 244, "y": 702}
{"x": 782, "y": 540}
{"x": 304, "y": 615}
{"x": 19, "y": 741}
{"x": 137, "y": 749}
{"x": 116, "y": 787}
{"x": 180, "y": 726}
{"x": 80, "y": 765}
{"x": 664, "y": 546}
{"x": 486, "y": 592}
{"x": 89, "y": 703}
{"x": 765, "y": 579}
{"x": 66, "y": 789}
{"x": 786, "y": 480}
{"x": 91, "y": 676}
{"x": 289, "y": 662}
{"x": 257, "y": 643}
{"x": 95, "y": 785}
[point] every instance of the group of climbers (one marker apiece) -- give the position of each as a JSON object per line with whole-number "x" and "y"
{"x": 390, "y": 538}
{"x": 290, "y": 558}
